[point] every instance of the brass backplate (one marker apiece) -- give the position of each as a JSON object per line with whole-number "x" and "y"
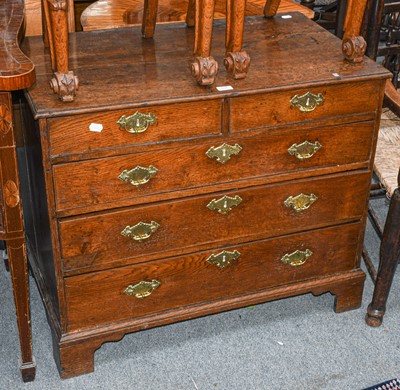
{"x": 142, "y": 289}
{"x": 224, "y": 152}
{"x": 307, "y": 102}
{"x": 304, "y": 150}
{"x": 137, "y": 123}
{"x": 224, "y": 259}
{"x": 138, "y": 175}
{"x": 225, "y": 204}
{"x": 300, "y": 202}
{"x": 141, "y": 231}
{"x": 296, "y": 258}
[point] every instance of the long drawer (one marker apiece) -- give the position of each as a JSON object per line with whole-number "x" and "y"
{"x": 169, "y": 228}
{"x": 281, "y": 108}
{"x": 102, "y": 297}
{"x": 177, "y": 121}
{"x": 108, "y": 182}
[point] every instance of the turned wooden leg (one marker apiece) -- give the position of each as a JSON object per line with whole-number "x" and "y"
{"x": 237, "y": 61}
{"x": 64, "y": 82}
{"x": 271, "y": 8}
{"x": 205, "y": 68}
{"x": 389, "y": 257}
{"x": 349, "y": 295}
{"x": 191, "y": 13}
{"x": 20, "y": 281}
{"x": 354, "y": 45}
{"x": 149, "y": 18}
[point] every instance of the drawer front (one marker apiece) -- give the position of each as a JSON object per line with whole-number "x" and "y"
{"x": 179, "y": 227}
{"x": 99, "y": 298}
{"x": 273, "y": 109}
{"x": 178, "y": 121}
{"x": 96, "y": 183}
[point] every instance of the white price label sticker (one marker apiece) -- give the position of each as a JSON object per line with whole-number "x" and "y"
{"x": 96, "y": 127}
{"x": 225, "y": 88}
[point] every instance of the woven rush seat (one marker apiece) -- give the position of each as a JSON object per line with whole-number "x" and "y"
{"x": 387, "y": 158}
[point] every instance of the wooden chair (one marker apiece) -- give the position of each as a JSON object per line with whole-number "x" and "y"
{"x": 387, "y": 159}
{"x": 65, "y": 83}
{"x": 390, "y": 235}
{"x": 16, "y": 72}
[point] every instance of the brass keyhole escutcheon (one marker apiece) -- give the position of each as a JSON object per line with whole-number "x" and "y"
{"x": 300, "y": 202}
{"x": 225, "y": 204}
{"x": 224, "y": 259}
{"x": 304, "y": 150}
{"x": 141, "y": 231}
{"x": 307, "y": 102}
{"x": 138, "y": 175}
{"x": 224, "y": 152}
{"x": 142, "y": 289}
{"x": 296, "y": 258}
{"x": 137, "y": 123}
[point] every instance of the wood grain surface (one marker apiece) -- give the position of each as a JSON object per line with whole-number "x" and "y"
{"x": 191, "y": 279}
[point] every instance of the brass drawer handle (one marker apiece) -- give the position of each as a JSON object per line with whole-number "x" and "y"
{"x": 225, "y": 204}
{"x": 296, "y": 258}
{"x": 137, "y": 123}
{"x": 141, "y": 231}
{"x": 300, "y": 202}
{"x": 143, "y": 289}
{"x": 138, "y": 175}
{"x": 304, "y": 150}
{"x": 224, "y": 152}
{"x": 224, "y": 259}
{"x": 307, "y": 102}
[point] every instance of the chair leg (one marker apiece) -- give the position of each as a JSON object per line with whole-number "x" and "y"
{"x": 271, "y": 8}
{"x": 205, "y": 67}
{"x": 353, "y": 44}
{"x": 64, "y": 82}
{"x": 389, "y": 256}
{"x": 149, "y": 18}
{"x": 191, "y": 13}
{"x": 237, "y": 61}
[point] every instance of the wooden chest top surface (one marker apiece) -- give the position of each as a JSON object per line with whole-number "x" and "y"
{"x": 119, "y": 69}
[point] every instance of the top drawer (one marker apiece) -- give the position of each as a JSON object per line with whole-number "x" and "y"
{"x": 176, "y": 121}
{"x": 272, "y": 109}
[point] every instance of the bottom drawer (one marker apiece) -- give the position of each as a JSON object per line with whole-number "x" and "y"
{"x": 100, "y": 297}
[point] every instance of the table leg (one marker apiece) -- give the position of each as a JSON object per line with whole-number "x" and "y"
{"x": 13, "y": 234}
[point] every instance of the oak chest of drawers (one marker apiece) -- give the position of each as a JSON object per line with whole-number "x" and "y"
{"x": 159, "y": 200}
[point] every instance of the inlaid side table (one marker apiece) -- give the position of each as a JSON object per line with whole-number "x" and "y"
{"x": 16, "y": 72}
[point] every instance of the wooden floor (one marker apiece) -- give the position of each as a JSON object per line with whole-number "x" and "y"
{"x": 106, "y": 14}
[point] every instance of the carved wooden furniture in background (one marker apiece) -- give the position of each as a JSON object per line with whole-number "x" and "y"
{"x": 237, "y": 61}
{"x": 105, "y": 14}
{"x": 167, "y": 201}
{"x": 16, "y": 72}
{"x": 65, "y": 83}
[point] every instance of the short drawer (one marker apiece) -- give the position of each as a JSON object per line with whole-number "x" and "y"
{"x": 183, "y": 226}
{"x": 177, "y": 121}
{"x": 99, "y": 184}
{"x": 99, "y": 298}
{"x": 272, "y": 109}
